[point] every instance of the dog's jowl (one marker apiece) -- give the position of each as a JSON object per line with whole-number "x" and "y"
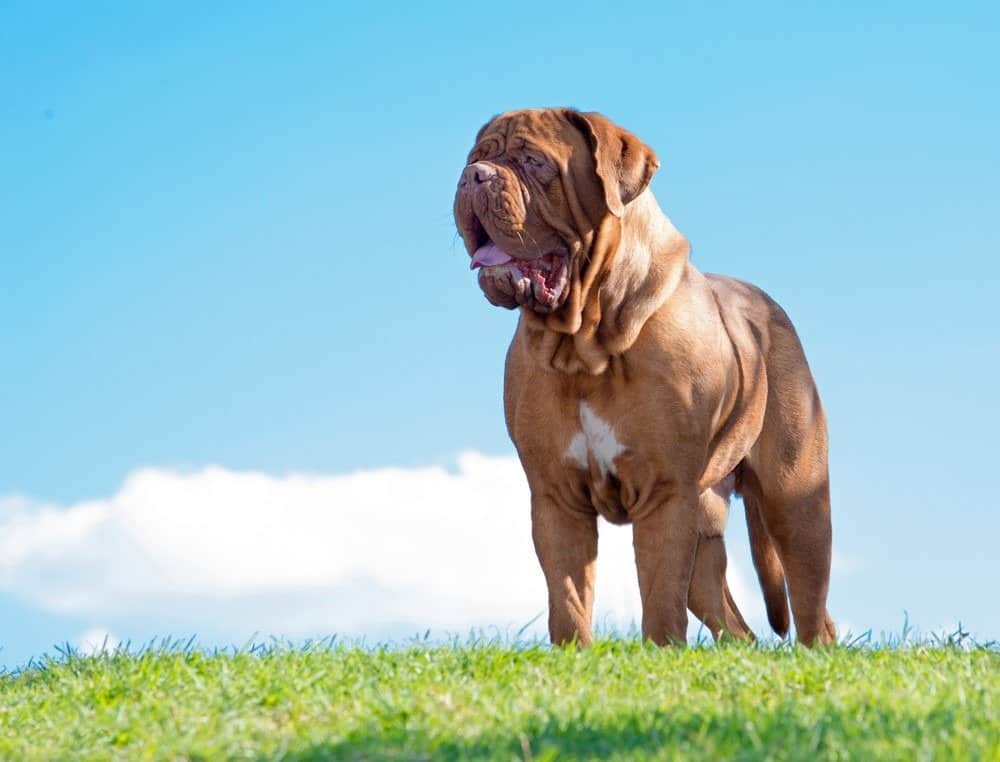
{"x": 641, "y": 390}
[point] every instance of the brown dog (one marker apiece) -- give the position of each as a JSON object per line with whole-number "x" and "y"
{"x": 638, "y": 388}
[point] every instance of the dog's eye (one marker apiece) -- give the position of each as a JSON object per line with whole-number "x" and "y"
{"x": 537, "y": 166}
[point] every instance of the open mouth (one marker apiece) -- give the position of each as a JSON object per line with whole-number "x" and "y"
{"x": 540, "y": 283}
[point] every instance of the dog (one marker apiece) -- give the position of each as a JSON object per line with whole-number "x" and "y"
{"x": 638, "y": 389}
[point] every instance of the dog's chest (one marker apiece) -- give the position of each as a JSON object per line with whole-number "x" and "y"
{"x": 595, "y": 445}
{"x": 595, "y": 453}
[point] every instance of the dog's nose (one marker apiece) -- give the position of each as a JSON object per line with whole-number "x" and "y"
{"x": 477, "y": 172}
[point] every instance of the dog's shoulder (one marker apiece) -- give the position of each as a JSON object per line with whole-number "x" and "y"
{"x": 735, "y": 296}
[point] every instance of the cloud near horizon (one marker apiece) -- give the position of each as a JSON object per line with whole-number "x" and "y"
{"x": 374, "y": 552}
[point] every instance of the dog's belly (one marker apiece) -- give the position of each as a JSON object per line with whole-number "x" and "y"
{"x": 594, "y": 449}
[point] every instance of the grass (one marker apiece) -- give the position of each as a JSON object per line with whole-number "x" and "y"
{"x": 620, "y": 699}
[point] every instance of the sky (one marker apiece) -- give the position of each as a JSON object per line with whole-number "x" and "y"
{"x": 248, "y": 385}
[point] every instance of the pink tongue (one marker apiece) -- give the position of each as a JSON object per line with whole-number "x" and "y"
{"x": 489, "y": 255}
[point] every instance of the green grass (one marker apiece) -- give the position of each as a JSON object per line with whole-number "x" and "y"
{"x": 618, "y": 700}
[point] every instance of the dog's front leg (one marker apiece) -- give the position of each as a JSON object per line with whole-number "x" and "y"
{"x": 665, "y": 537}
{"x": 566, "y": 544}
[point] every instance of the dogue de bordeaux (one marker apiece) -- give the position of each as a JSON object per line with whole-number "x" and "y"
{"x": 641, "y": 390}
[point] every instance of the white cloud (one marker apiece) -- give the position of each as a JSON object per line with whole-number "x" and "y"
{"x": 844, "y": 565}
{"x": 97, "y": 640}
{"x": 371, "y": 552}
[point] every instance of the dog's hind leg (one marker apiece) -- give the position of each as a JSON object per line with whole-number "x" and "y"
{"x": 800, "y": 526}
{"x": 767, "y": 563}
{"x": 709, "y": 598}
{"x": 785, "y": 478}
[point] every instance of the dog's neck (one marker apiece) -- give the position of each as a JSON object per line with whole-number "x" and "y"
{"x": 647, "y": 267}
{"x": 643, "y": 270}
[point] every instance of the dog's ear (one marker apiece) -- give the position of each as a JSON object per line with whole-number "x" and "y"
{"x": 625, "y": 164}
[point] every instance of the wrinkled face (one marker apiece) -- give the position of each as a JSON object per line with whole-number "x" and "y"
{"x": 512, "y": 212}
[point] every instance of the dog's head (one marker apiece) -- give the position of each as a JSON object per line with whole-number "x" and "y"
{"x": 536, "y": 188}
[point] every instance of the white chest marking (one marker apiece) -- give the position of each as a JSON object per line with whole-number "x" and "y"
{"x": 597, "y": 440}
{"x": 577, "y": 451}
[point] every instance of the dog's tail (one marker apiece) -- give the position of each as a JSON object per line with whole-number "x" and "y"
{"x": 770, "y": 572}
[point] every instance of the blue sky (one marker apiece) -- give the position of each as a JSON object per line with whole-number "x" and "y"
{"x": 226, "y": 240}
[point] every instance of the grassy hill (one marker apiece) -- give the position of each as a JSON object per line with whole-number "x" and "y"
{"x": 620, "y": 699}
